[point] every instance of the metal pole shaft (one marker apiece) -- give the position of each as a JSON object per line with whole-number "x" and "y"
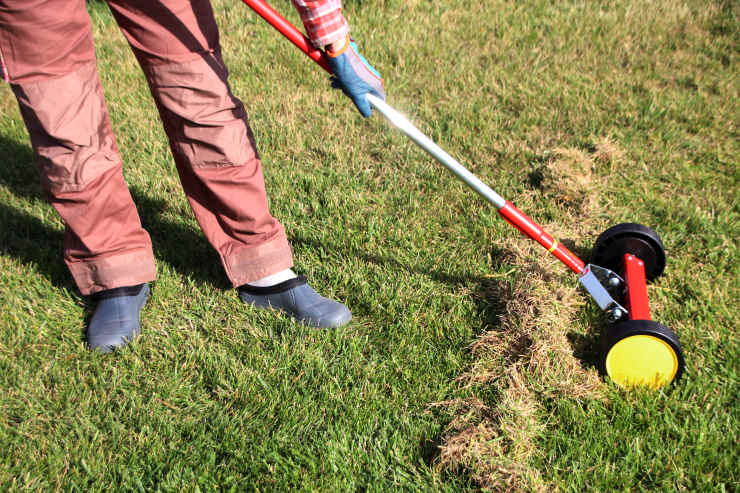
{"x": 506, "y": 209}
{"x": 405, "y": 126}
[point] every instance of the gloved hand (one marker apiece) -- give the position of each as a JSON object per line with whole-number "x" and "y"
{"x": 355, "y": 76}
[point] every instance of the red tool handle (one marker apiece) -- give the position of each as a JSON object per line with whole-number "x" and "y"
{"x": 528, "y": 227}
{"x": 288, "y": 30}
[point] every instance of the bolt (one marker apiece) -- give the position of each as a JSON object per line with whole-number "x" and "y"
{"x": 617, "y": 313}
{"x": 614, "y": 282}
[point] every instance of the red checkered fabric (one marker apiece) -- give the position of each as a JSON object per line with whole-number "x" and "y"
{"x": 323, "y": 20}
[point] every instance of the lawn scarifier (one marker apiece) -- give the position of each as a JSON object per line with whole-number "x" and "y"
{"x": 637, "y": 351}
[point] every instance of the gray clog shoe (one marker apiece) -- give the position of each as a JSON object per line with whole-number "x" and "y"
{"x": 116, "y": 319}
{"x": 296, "y": 298}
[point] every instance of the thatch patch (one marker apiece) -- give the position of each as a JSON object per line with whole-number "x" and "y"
{"x": 528, "y": 358}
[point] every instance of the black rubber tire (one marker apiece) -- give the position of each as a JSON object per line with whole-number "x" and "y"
{"x": 639, "y": 240}
{"x": 629, "y": 328}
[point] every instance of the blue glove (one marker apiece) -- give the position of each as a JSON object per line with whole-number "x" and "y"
{"x": 355, "y": 76}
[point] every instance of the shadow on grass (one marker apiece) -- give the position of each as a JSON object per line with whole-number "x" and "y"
{"x": 182, "y": 247}
{"x": 24, "y": 236}
{"x": 486, "y": 291}
{"x": 35, "y": 244}
{"x": 587, "y": 348}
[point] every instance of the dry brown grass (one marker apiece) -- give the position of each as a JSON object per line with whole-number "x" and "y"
{"x": 529, "y": 357}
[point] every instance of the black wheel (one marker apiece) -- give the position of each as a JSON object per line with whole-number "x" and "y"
{"x": 642, "y": 353}
{"x": 639, "y": 240}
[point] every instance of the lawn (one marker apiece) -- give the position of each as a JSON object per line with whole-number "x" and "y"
{"x": 471, "y": 361}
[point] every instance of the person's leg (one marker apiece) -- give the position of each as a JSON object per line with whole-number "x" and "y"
{"x": 176, "y": 43}
{"x": 48, "y": 52}
{"x": 48, "y": 56}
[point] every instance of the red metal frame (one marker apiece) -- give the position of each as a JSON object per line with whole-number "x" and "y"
{"x": 636, "y": 287}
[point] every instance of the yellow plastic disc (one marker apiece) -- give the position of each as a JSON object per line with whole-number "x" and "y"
{"x": 642, "y": 360}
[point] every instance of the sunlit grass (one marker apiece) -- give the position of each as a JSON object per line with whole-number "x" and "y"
{"x": 215, "y": 395}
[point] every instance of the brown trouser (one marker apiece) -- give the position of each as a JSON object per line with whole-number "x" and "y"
{"x": 48, "y": 55}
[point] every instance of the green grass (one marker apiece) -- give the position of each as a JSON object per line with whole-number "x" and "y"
{"x": 217, "y": 396}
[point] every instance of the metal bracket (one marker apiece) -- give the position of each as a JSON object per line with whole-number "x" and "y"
{"x": 599, "y": 281}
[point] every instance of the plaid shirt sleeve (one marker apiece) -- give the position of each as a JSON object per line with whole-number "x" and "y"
{"x": 323, "y": 20}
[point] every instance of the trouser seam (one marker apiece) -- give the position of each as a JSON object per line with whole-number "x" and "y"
{"x": 3, "y": 68}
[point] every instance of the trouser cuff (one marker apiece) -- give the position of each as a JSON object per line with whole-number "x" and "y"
{"x": 248, "y": 264}
{"x": 113, "y": 271}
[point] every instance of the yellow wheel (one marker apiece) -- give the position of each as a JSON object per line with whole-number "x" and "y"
{"x": 642, "y": 353}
